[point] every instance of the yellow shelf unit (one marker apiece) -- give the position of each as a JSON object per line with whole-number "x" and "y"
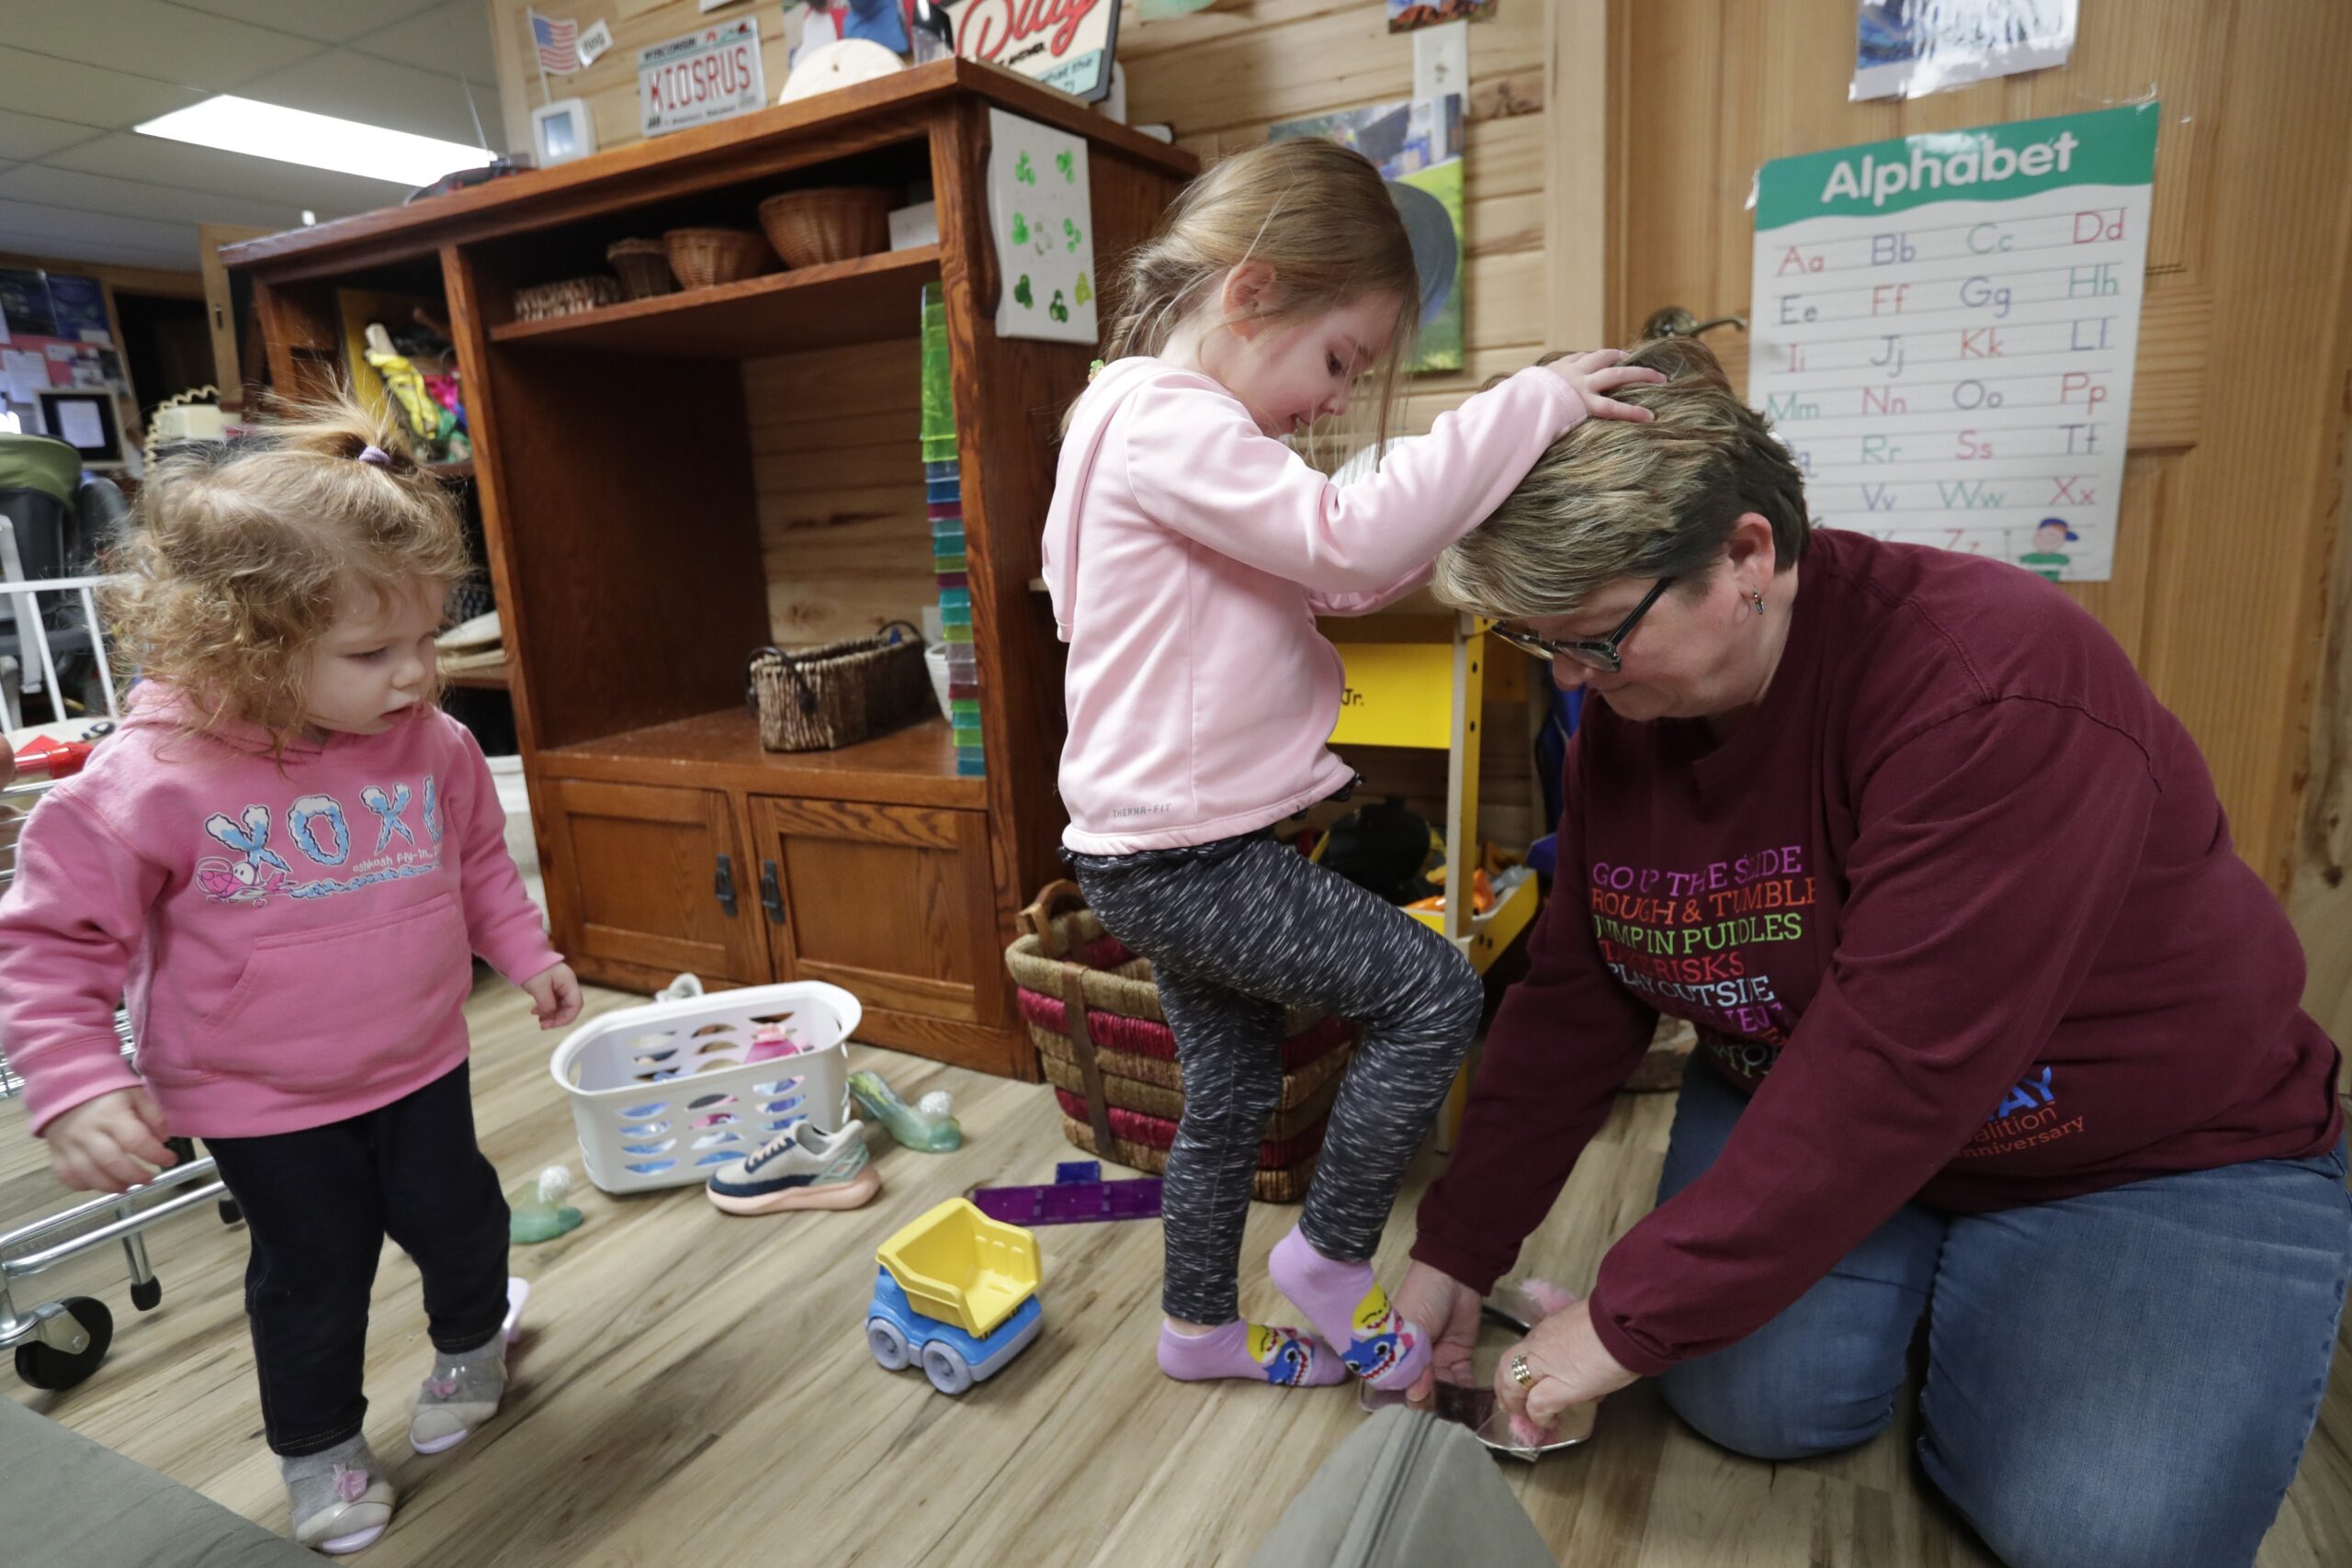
{"x": 1420, "y": 681}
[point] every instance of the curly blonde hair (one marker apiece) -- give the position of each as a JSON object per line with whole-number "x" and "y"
{"x": 1613, "y": 499}
{"x": 239, "y": 553}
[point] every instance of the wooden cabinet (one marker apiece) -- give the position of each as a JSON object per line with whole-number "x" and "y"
{"x": 647, "y": 882}
{"x": 895, "y": 905}
{"x": 669, "y": 483}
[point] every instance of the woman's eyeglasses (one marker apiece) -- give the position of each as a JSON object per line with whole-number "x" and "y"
{"x": 1597, "y": 653}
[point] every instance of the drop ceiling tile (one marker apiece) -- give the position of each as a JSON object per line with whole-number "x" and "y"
{"x": 328, "y": 21}
{"x": 380, "y": 92}
{"x": 150, "y": 38}
{"x": 183, "y": 255}
{"x": 452, "y": 37}
{"x": 136, "y": 198}
{"x": 129, "y": 157}
{"x": 62, "y": 224}
{"x": 30, "y": 136}
{"x": 85, "y": 94}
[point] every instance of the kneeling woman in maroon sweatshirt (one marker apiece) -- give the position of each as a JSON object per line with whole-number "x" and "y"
{"x": 1996, "y": 1031}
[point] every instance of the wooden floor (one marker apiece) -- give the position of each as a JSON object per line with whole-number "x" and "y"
{"x": 696, "y": 1389}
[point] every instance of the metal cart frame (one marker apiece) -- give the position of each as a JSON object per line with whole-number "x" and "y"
{"x": 60, "y": 1343}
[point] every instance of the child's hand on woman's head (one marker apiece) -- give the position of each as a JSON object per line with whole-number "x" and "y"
{"x": 100, "y": 1145}
{"x": 555, "y": 996}
{"x": 1599, "y": 373}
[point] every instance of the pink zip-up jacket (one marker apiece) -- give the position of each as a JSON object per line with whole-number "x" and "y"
{"x": 296, "y": 943}
{"x": 1188, "y": 555}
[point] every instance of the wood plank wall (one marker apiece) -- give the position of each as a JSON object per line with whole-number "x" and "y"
{"x": 837, "y": 460}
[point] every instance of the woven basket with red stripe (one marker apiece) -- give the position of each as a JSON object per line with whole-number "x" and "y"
{"x": 1094, "y": 1014}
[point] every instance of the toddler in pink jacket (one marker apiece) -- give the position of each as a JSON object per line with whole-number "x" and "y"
{"x": 1188, "y": 550}
{"x": 286, "y": 859}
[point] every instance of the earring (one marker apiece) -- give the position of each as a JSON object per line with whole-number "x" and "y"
{"x": 1759, "y": 598}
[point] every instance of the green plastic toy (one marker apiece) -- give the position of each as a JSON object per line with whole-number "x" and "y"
{"x": 929, "y": 1125}
{"x": 537, "y": 1210}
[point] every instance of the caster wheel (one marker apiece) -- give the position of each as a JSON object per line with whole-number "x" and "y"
{"x": 42, "y": 1366}
{"x": 147, "y": 1297}
{"x": 229, "y": 1213}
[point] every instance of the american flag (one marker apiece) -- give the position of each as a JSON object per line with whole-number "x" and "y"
{"x": 559, "y": 44}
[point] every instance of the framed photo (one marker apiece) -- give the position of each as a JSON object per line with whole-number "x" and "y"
{"x": 1417, "y": 145}
{"x": 1068, "y": 46}
{"x": 562, "y": 131}
{"x": 86, "y": 421}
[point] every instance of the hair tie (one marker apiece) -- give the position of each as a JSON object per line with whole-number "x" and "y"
{"x": 371, "y": 453}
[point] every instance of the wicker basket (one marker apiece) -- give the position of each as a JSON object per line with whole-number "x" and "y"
{"x": 1094, "y": 1014}
{"x": 643, "y": 267}
{"x": 1285, "y": 1170}
{"x": 701, "y": 257}
{"x": 832, "y": 223}
{"x": 815, "y": 699}
{"x": 567, "y": 298}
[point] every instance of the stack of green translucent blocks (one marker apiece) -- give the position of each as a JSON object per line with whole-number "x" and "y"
{"x": 942, "y": 490}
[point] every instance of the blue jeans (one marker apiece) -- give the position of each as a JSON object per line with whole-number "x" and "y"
{"x": 2124, "y": 1379}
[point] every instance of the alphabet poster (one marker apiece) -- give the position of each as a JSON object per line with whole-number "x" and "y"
{"x": 1041, "y": 210}
{"x": 1945, "y": 330}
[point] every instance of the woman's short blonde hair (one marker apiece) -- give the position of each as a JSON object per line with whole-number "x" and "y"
{"x": 1613, "y": 499}
{"x": 239, "y": 554}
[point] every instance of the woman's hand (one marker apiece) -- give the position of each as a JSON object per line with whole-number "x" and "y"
{"x": 555, "y": 996}
{"x": 1447, "y": 1309}
{"x": 1601, "y": 372}
{"x": 1569, "y": 1363}
{"x": 99, "y": 1144}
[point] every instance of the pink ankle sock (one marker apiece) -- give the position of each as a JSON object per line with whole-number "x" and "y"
{"x": 1348, "y": 1307}
{"x": 1257, "y": 1351}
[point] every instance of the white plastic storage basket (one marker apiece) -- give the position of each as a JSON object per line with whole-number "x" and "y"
{"x": 660, "y": 1094}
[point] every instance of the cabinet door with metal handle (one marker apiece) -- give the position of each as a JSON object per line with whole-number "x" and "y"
{"x": 646, "y": 883}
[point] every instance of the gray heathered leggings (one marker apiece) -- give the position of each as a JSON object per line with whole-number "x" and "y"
{"x": 1234, "y": 930}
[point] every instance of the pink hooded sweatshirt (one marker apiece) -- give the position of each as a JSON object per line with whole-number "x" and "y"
{"x": 1188, "y": 555}
{"x": 297, "y": 943}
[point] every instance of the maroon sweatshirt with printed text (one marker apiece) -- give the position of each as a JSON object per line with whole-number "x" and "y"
{"x": 1956, "y": 905}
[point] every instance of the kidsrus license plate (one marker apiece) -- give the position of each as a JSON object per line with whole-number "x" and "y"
{"x": 699, "y": 77}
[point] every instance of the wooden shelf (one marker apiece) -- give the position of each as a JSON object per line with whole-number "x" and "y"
{"x": 464, "y": 471}
{"x": 864, "y": 301}
{"x": 894, "y": 875}
{"x": 914, "y": 766}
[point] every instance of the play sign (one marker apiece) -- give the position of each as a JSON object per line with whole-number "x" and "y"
{"x": 700, "y": 77}
{"x": 1063, "y": 43}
